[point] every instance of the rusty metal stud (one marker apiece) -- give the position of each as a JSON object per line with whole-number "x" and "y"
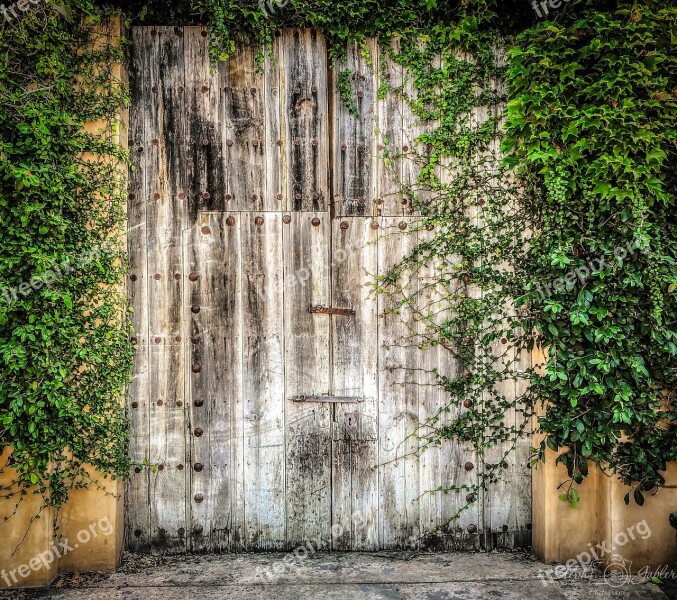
{"x": 180, "y": 89}
{"x": 159, "y": 403}
{"x": 198, "y": 432}
{"x": 137, "y": 533}
{"x": 154, "y": 89}
{"x": 205, "y": 142}
{"x": 379, "y": 201}
{"x": 158, "y": 340}
{"x": 205, "y": 89}
{"x": 203, "y": 33}
{"x": 405, "y": 148}
{"x": 226, "y": 89}
{"x": 253, "y": 91}
{"x": 505, "y": 465}
{"x": 297, "y": 196}
{"x": 405, "y": 201}
{"x": 139, "y": 149}
{"x": 255, "y": 143}
{"x": 155, "y": 142}
{"x": 131, "y": 196}
{"x": 133, "y": 277}
{"x": 402, "y": 225}
{"x": 206, "y": 230}
{"x": 133, "y": 339}
{"x": 297, "y": 90}
{"x": 472, "y": 528}
{"x": 177, "y": 338}
{"x": 198, "y": 402}
{"x": 137, "y": 469}
{"x": 297, "y": 142}
{"x": 467, "y": 403}
{"x": 228, "y": 197}
{"x": 196, "y": 368}
{"x": 179, "y": 404}
{"x": 360, "y": 94}
{"x": 160, "y": 467}
{"x": 344, "y": 225}
{"x": 504, "y": 528}
{"x": 278, "y": 143}
{"x": 258, "y": 221}
{"x": 313, "y": 142}
{"x": 504, "y": 341}
{"x": 193, "y": 276}
{"x": 286, "y": 219}
{"x": 198, "y": 467}
{"x": 195, "y": 340}
{"x": 153, "y": 32}
{"x": 229, "y": 142}
{"x": 480, "y": 203}
{"x": 316, "y": 196}
{"x": 230, "y": 221}
{"x": 429, "y": 227}
{"x": 469, "y": 466}
{"x": 343, "y": 147}
{"x": 313, "y": 89}
{"x": 380, "y": 147}
{"x": 205, "y": 195}
{"x": 197, "y": 529}
{"x": 374, "y": 225}
{"x": 315, "y": 222}
{"x": 470, "y": 497}
{"x": 156, "y": 195}
{"x": 182, "y": 196}
{"x": 135, "y": 405}
{"x": 360, "y": 148}
{"x": 177, "y": 276}
{"x": 195, "y": 309}
{"x": 156, "y": 276}
{"x": 199, "y": 498}
{"x": 279, "y": 196}
{"x": 181, "y": 531}
{"x": 254, "y": 197}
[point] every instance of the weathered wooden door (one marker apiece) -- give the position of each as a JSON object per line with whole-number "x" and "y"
{"x": 255, "y": 196}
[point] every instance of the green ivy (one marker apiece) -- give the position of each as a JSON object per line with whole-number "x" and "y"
{"x": 64, "y": 335}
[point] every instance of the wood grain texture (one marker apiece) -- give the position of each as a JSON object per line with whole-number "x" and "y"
{"x": 307, "y": 372}
{"x": 355, "y": 373}
{"x": 263, "y": 381}
{"x": 306, "y": 119}
{"x": 137, "y": 519}
{"x": 398, "y": 417}
{"x": 164, "y": 221}
{"x": 214, "y": 325}
{"x": 354, "y": 140}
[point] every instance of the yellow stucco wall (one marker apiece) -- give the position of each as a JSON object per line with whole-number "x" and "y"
{"x": 90, "y": 529}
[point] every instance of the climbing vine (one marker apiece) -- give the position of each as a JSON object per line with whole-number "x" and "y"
{"x": 64, "y": 335}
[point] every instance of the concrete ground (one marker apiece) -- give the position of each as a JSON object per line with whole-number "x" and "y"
{"x": 359, "y": 576}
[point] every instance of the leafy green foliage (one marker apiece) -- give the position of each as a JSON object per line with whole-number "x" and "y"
{"x": 591, "y": 125}
{"x": 64, "y": 334}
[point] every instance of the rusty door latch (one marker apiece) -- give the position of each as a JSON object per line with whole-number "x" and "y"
{"x": 331, "y": 399}
{"x": 326, "y": 310}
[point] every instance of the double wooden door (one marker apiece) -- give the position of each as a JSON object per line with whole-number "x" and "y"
{"x": 274, "y": 392}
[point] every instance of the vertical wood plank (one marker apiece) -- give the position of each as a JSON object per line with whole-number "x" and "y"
{"x": 398, "y": 392}
{"x": 307, "y": 239}
{"x": 274, "y": 135}
{"x": 389, "y": 132}
{"x": 164, "y": 221}
{"x": 355, "y": 373}
{"x": 354, "y": 140}
{"x": 214, "y": 332}
{"x": 244, "y": 118}
{"x": 306, "y": 119}
{"x": 137, "y": 515}
{"x": 263, "y": 381}
{"x": 204, "y": 130}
